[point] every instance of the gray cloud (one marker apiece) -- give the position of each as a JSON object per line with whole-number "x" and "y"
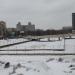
{"x": 44, "y": 13}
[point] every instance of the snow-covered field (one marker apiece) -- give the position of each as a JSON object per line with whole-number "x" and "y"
{"x": 68, "y": 45}
{"x": 37, "y": 65}
{"x": 11, "y": 41}
{"x": 38, "y": 45}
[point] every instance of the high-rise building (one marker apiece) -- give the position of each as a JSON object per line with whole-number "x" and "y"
{"x": 2, "y": 29}
{"x": 73, "y": 21}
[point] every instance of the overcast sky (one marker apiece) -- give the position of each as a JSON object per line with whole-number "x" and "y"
{"x": 45, "y": 14}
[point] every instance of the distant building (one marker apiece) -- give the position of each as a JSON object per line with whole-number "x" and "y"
{"x": 67, "y": 29}
{"x": 73, "y": 21}
{"x": 2, "y": 29}
{"x": 29, "y": 27}
{"x": 11, "y": 32}
{"x": 11, "y": 29}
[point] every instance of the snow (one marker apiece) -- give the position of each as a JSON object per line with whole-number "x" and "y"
{"x": 38, "y": 45}
{"x": 11, "y": 41}
{"x": 38, "y": 65}
{"x": 68, "y": 45}
{"x": 51, "y": 39}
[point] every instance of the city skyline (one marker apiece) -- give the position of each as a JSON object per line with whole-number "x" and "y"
{"x": 45, "y": 14}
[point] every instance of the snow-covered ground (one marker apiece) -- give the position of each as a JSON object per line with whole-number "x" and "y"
{"x": 68, "y": 45}
{"x": 38, "y": 45}
{"x": 11, "y": 41}
{"x": 37, "y": 65}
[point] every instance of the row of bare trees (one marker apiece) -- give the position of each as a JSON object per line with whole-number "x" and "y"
{"x": 43, "y": 32}
{"x": 38, "y": 32}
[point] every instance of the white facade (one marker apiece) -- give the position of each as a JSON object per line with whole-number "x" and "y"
{"x": 29, "y": 27}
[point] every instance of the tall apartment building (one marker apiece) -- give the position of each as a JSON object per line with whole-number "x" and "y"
{"x": 2, "y": 29}
{"x": 73, "y": 22}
